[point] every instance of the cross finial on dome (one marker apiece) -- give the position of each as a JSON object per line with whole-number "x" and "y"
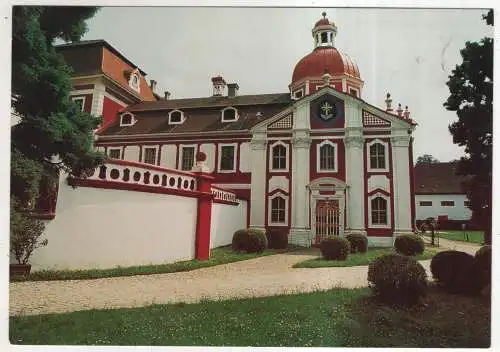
{"x": 323, "y": 14}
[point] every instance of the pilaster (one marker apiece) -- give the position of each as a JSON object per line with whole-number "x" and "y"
{"x": 401, "y": 184}
{"x": 354, "y": 143}
{"x": 258, "y": 157}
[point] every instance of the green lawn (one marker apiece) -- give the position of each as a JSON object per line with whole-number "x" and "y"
{"x": 221, "y": 255}
{"x": 336, "y": 318}
{"x": 357, "y": 258}
{"x": 474, "y": 236}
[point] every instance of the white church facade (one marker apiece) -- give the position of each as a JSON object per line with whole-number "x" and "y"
{"x": 315, "y": 161}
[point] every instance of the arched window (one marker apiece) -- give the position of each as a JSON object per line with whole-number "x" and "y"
{"x": 278, "y": 210}
{"x": 379, "y": 211}
{"x": 126, "y": 119}
{"x": 229, "y": 114}
{"x": 279, "y": 157}
{"x": 327, "y": 157}
{"x": 377, "y": 156}
{"x": 175, "y": 117}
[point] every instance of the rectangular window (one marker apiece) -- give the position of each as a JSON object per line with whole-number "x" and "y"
{"x": 187, "y": 158}
{"x": 425, "y": 203}
{"x": 150, "y": 156}
{"x": 466, "y": 203}
{"x": 447, "y": 203}
{"x": 114, "y": 153}
{"x": 377, "y": 156}
{"x": 278, "y": 210}
{"x": 327, "y": 157}
{"x": 353, "y": 92}
{"x": 227, "y": 158}
{"x": 80, "y": 102}
{"x": 279, "y": 157}
{"x": 379, "y": 211}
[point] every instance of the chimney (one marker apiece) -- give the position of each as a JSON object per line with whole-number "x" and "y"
{"x": 232, "y": 89}
{"x": 219, "y": 84}
{"x": 153, "y": 85}
{"x": 167, "y": 95}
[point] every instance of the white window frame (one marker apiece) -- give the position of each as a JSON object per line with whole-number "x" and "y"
{"x": 301, "y": 90}
{"x": 423, "y": 201}
{"x": 219, "y": 156}
{"x": 447, "y": 206}
{"x": 115, "y": 148}
{"x": 132, "y": 119}
{"x": 236, "y": 116}
{"x": 335, "y": 156}
{"x": 137, "y": 87}
{"x": 354, "y": 89}
{"x": 143, "y": 156}
{"x": 269, "y": 209}
{"x": 386, "y": 156}
{"x": 389, "y": 215}
{"x": 170, "y": 122}
{"x": 82, "y": 99}
{"x": 287, "y": 156}
{"x": 181, "y": 152}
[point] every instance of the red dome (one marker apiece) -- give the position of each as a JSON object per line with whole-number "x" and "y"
{"x": 324, "y": 59}
{"x": 322, "y": 22}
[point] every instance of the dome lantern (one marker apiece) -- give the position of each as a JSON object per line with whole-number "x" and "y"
{"x": 324, "y": 32}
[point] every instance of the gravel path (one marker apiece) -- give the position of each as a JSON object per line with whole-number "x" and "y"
{"x": 265, "y": 276}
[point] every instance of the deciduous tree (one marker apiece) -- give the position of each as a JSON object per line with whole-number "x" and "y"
{"x": 471, "y": 96}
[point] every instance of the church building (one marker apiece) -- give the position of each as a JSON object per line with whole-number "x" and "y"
{"x": 314, "y": 161}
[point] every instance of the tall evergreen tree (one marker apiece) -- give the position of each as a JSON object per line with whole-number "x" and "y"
{"x": 426, "y": 159}
{"x": 471, "y": 96}
{"x": 51, "y": 124}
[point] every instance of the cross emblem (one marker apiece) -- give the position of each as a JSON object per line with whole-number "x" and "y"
{"x": 326, "y": 111}
{"x": 326, "y": 108}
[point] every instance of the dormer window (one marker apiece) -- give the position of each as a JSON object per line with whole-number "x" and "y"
{"x": 135, "y": 81}
{"x": 229, "y": 115}
{"x": 298, "y": 94}
{"x": 175, "y": 117}
{"x": 127, "y": 119}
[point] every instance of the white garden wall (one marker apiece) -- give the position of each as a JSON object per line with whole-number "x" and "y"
{"x": 226, "y": 219}
{"x": 105, "y": 228}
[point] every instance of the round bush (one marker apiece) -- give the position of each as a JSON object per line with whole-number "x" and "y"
{"x": 453, "y": 270}
{"x": 358, "y": 242}
{"x": 398, "y": 279}
{"x": 482, "y": 266}
{"x": 262, "y": 239}
{"x": 335, "y": 248}
{"x": 277, "y": 239}
{"x": 240, "y": 240}
{"x": 409, "y": 244}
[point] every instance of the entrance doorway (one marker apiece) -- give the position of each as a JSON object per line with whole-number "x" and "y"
{"x": 328, "y": 220}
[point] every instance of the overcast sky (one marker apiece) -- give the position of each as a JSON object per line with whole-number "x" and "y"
{"x": 407, "y": 52}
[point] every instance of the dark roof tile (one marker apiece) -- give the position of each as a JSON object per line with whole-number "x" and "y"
{"x": 438, "y": 178}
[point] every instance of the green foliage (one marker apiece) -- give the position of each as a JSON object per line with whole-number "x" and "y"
{"x": 51, "y": 126}
{"x": 249, "y": 240}
{"x": 358, "y": 242}
{"x": 25, "y": 233}
{"x": 409, "y": 244}
{"x": 277, "y": 239}
{"x": 482, "y": 266}
{"x": 455, "y": 271}
{"x": 398, "y": 279}
{"x": 335, "y": 248}
{"x": 426, "y": 159}
{"x": 471, "y": 96}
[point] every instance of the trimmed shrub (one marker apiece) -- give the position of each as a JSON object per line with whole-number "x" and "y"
{"x": 335, "y": 248}
{"x": 240, "y": 240}
{"x": 454, "y": 271}
{"x": 409, "y": 244}
{"x": 277, "y": 239}
{"x": 249, "y": 240}
{"x": 358, "y": 242}
{"x": 482, "y": 266}
{"x": 398, "y": 279}
{"x": 262, "y": 239}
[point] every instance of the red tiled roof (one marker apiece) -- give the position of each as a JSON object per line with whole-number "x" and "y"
{"x": 438, "y": 178}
